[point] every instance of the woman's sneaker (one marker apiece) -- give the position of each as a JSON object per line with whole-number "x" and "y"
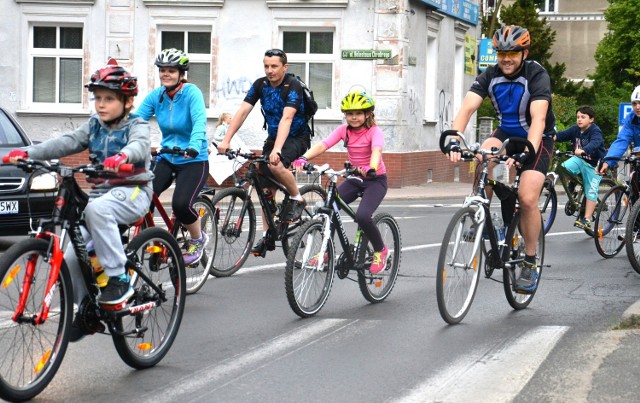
{"x": 379, "y": 261}
{"x": 195, "y": 249}
{"x": 117, "y": 290}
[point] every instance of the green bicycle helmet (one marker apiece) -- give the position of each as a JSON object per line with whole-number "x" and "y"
{"x": 173, "y": 58}
{"x": 357, "y": 101}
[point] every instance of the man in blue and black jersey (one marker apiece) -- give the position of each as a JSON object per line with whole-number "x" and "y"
{"x": 520, "y": 91}
{"x": 288, "y": 134}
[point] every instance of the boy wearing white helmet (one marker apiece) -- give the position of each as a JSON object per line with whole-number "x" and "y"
{"x": 630, "y": 133}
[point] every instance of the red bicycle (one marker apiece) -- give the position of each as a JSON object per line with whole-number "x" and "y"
{"x": 198, "y": 273}
{"x": 37, "y": 301}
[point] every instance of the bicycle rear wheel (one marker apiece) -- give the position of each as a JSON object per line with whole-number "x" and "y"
{"x": 235, "y": 233}
{"x": 143, "y": 338}
{"x": 609, "y": 222}
{"x": 308, "y": 275}
{"x": 30, "y": 353}
{"x": 198, "y": 273}
{"x": 459, "y": 265}
{"x": 548, "y": 204}
{"x": 632, "y": 237}
{"x": 515, "y": 242}
{"x": 312, "y": 194}
{"x": 377, "y": 287}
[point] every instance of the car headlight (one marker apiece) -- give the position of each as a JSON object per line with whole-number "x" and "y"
{"x": 45, "y": 182}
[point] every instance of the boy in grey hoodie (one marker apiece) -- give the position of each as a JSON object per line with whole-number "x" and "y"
{"x": 115, "y": 137}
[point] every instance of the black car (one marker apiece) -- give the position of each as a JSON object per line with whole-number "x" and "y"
{"x": 24, "y": 197}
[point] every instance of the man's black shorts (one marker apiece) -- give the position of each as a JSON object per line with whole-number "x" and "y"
{"x": 293, "y": 148}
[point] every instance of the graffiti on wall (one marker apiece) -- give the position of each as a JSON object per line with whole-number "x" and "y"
{"x": 444, "y": 111}
{"x": 233, "y": 88}
{"x": 413, "y": 103}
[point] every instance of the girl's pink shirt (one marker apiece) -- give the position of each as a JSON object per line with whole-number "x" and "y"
{"x": 361, "y": 143}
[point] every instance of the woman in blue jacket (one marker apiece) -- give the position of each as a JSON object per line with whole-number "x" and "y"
{"x": 180, "y": 111}
{"x": 588, "y": 148}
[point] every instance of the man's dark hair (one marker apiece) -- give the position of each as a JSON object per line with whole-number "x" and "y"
{"x": 277, "y": 52}
{"x": 587, "y": 110}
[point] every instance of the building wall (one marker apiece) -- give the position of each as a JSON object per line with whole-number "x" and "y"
{"x": 413, "y": 103}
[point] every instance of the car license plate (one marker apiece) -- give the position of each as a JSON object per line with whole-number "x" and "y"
{"x": 9, "y": 207}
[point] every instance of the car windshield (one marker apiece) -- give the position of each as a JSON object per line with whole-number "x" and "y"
{"x": 9, "y": 136}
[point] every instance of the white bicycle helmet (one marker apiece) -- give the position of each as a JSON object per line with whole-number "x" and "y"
{"x": 173, "y": 58}
{"x": 635, "y": 95}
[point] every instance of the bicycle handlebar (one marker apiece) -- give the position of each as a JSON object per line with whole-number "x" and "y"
{"x": 468, "y": 152}
{"x": 92, "y": 170}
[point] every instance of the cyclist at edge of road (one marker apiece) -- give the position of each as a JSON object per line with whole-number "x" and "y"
{"x": 520, "y": 91}
{"x": 288, "y": 134}
{"x": 364, "y": 142}
{"x": 115, "y": 137}
{"x": 180, "y": 111}
{"x": 588, "y": 148}
{"x": 630, "y": 133}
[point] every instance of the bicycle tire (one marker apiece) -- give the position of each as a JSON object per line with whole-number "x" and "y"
{"x": 377, "y": 287}
{"x": 459, "y": 265}
{"x": 632, "y": 237}
{"x": 609, "y": 222}
{"x": 197, "y": 274}
{"x": 515, "y": 241}
{"x": 549, "y": 205}
{"x": 308, "y": 285}
{"x": 312, "y": 195}
{"x": 152, "y": 332}
{"x": 32, "y": 354}
{"x": 233, "y": 244}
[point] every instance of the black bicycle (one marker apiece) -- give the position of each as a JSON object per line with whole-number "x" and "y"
{"x": 311, "y": 261}
{"x": 236, "y": 219}
{"x": 37, "y": 301}
{"x": 461, "y": 253}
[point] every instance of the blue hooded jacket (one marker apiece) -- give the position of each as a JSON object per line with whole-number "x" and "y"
{"x": 630, "y": 133}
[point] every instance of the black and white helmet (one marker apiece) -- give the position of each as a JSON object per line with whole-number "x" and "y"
{"x": 173, "y": 58}
{"x": 635, "y": 95}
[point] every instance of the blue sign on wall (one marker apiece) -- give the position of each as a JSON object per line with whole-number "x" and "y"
{"x": 486, "y": 56}
{"x": 625, "y": 109}
{"x": 461, "y": 9}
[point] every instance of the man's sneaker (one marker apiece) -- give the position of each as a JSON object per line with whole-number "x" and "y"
{"x": 117, "y": 290}
{"x": 195, "y": 249}
{"x": 296, "y": 207}
{"x": 527, "y": 282}
{"x": 379, "y": 261}
{"x": 261, "y": 248}
{"x": 584, "y": 223}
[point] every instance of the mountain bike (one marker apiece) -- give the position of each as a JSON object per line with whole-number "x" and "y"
{"x": 574, "y": 189}
{"x": 236, "y": 219}
{"x": 37, "y": 287}
{"x": 198, "y": 273}
{"x": 311, "y": 261}
{"x": 460, "y": 257}
{"x": 611, "y": 214}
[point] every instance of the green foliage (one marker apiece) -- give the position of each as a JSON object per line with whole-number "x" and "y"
{"x": 565, "y": 110}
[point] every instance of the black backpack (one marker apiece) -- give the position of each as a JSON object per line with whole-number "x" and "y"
{"x": 310, "y": 104}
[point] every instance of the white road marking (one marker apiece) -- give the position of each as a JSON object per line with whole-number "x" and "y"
{"x": 244, "y": 364}
{"x": 473, "y": 378}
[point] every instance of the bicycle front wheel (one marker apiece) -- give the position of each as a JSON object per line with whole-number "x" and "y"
{"x": 609, "y": 223}
{"x": 632, "y": 237}
{"x": 377, "y": 287}
{"x": 459, "y": 265}
{"x": 312, "y": 194}
{"x": 198, "y": 273}
{"x": 515, "y": 242}
{"x": 145, "y": 336}
{"x": 308, "y": 275}
{"x": 548, "y": 205}
{"x": 235, "y": 233}
{"x": 31, "y": 353}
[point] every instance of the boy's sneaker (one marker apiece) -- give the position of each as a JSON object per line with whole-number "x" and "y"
{"x": 296, "y": 207}
{"x": 195, "y": 249}
{"x": 117, "y": 290}
{"x": 527, "y": 282}
{"x": 379, "y": 261}
{"x": 584, "y": 223}
{"x": 314, "y": 259}
{"x": 261, "y": 248}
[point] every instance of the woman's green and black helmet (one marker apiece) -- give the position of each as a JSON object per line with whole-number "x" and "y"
{"x": 357, "y": 101}
{"x": 173, "y": 58}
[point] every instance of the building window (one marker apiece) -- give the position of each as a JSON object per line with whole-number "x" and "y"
{"x": 311, "y": 56}
{"x": 197, "y": 44}
{"x": 547, "y": 6}
{"x": 56, "y": 57}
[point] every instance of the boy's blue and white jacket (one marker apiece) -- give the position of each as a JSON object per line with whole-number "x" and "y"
{"x": 182, "y": 120}
{"x": 630, "y": 133}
